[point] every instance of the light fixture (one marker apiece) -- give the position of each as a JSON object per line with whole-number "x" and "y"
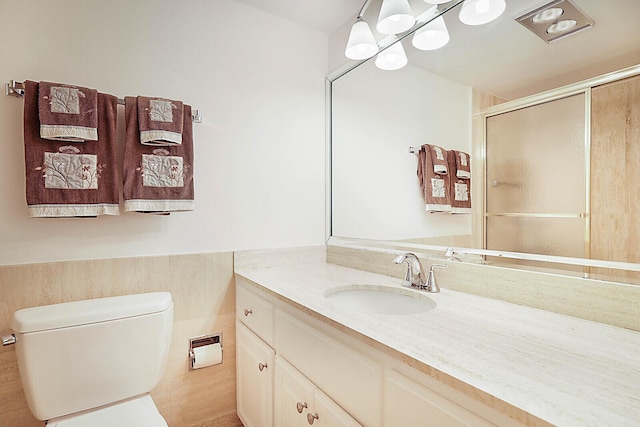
{"x": 432, "y": 36}
{"x": 478, "y": 12}
{"x": 555, "y": 20}
{"x": 395, "y": 17}
{"x": 361, "y": 44}
{"x": 392, "y": 58}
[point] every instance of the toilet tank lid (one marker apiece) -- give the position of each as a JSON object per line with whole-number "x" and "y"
{"x": 77, "y": 313}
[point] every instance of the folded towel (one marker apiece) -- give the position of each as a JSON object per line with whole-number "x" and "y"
{"x": 71, "y": 180}
{"x": 462, "y": 164}
{"x": 68, "y": 113}
{"x": 438, "y": 158}
{"x": 160, "y": 121}
{"x": 157, "y": 180}
{"x": 435, "y": 187}
{"x": 460, "y": 188}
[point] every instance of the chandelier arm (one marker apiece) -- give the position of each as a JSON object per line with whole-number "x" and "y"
{"x": 363, "y": 9}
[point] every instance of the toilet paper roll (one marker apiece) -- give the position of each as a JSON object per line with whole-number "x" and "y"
{"x": 206, "y": 356}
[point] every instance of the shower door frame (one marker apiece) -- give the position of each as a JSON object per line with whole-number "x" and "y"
{"x": 480, "y": 186}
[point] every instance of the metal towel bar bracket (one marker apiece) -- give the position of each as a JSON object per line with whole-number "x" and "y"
{"x": 14, "y": 88}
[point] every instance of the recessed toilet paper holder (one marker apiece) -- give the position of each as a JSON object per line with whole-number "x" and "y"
{"x": 202, "y": 341}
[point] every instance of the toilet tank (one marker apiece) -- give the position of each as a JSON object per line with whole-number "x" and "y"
{"x": 80, "y": 355}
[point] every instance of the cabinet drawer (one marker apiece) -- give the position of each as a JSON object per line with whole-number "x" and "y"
{"x": 254, "y": 311}
{"x": 350, "y": 378}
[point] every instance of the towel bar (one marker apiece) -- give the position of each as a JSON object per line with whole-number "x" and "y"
{"x": 14, "y": 88}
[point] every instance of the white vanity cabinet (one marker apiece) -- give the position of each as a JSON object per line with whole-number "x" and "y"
{"x": 319, "y": 375}
{"x": 298, "y": 402}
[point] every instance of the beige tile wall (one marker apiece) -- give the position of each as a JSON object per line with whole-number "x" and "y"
{"x": 202, "y": 286}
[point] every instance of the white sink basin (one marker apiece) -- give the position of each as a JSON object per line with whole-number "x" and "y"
{"x": 379, "y": 299}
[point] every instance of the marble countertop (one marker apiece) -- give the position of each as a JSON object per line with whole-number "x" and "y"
{"x": 563, "y": 370}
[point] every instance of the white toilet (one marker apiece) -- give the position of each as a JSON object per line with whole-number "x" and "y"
{"x": 94, "y": 362}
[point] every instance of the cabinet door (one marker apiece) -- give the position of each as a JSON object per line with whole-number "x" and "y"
{"x": 410, "y": 404}
{"x": 254, "y": 372}
{"x": 299, "y": 403}
{"x": 329, "y": 414}
{"x": 293, "y": 395}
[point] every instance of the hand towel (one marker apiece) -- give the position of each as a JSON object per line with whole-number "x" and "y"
{"x": 435, "y": 187}
{"x": 460, "y": 188}
{"x": 157, "y": 180}
{"x": 462, "y": 164}
{"x": 160, "y": 121}
{"x": 68, "y": 113}
{"x": 74, "y": 180}
{"x": 438, "y": 158}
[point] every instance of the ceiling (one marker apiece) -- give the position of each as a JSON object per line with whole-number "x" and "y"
{"x": 505, "y": 59}
{"x": 323, "y": 15}
{"x": 502, "y": 58}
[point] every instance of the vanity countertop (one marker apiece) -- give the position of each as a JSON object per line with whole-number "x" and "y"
{"x": 563, "y": 370}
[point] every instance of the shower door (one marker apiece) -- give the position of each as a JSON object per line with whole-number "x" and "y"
{"x": 536, "y": 186}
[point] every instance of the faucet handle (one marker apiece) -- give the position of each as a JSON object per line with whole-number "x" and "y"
{"x": 432, "y": 284}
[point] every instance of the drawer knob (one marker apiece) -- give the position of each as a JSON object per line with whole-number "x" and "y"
{"x": 261, "y": 366}
{"x": 247, "y": 312}
{"x": 311, "y": 418}
{"x": 300, "y": 406}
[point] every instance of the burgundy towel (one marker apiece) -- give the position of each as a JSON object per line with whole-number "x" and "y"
{"x": 157, "y": 180}
{"x": 160, "y": 121}
{"x": 435, "y": 187}
{"x": 68, "y": 113}
{"x": 460, "y": 188}
{"x": 71, "y": 180}
{"x": 462, "y": 165}
{"x": 438, "y": 158}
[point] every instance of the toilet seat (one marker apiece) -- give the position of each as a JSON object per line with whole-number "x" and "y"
{"x": 135, "y": 412}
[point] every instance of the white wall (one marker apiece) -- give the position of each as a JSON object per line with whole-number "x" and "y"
{"x": 376, "y": 116}
{"x": 258, "y": 81}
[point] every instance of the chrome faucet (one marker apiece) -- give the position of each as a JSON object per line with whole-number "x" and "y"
{"x": 414, "y": 277}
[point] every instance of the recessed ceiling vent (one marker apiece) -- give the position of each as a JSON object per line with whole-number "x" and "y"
{"x": 556, "y": 20}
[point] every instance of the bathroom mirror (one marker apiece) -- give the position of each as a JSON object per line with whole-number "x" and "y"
{"x": 377, "y": 115}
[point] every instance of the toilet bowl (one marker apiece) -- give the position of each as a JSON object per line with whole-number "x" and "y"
{"x": 94, "y": 362}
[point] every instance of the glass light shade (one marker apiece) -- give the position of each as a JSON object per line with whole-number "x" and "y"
{"x": 547, "y": 16}
{"x": 361, "y": 44}
{"x": 392, "y": 58}
{"x": 432, "y": 36}
{"x": 437, "y": 1}
{"x": 478, "y": 12}
{"x": 395, "y": 17}
{"x": 562, "y": 26}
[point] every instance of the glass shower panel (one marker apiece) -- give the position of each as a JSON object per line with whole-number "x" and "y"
{"x": 536, "y": 158}
{"x": 547, "y": 236}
